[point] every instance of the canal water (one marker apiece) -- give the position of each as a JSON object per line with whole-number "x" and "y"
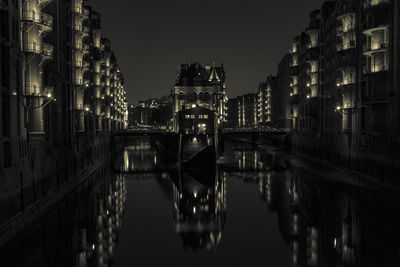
{"x": 239, "y": 212}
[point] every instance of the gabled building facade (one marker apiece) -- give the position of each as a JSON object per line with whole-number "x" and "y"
{"x": 200, "y": 86}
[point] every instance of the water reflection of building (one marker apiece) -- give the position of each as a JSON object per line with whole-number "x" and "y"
{"x": 332, "y": 224}
{"x": 140, "y": 156}
{"x": 249, "y": 160}
{"x": 199, "y": 201}
{"x": 82, "y": 230}
{"x": 108, "y": 220}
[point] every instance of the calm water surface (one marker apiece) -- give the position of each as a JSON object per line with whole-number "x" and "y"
{"x": 237, "y": 213}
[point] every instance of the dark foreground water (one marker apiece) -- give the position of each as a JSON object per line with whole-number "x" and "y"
{"x": 237, "y": 213}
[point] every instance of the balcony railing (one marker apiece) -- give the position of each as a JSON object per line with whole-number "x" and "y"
{"x": 85, "y": 12}
{"x": 30, "y": 15}
{"x": 85, "y": 47}
{"x": 46, "y": 20}
{"x": 78, "y": 63}
{"x": 47, "y": 51}
{"x": 86, "y": 65}
{"x": 43, "y": 3}
{"x": 77, "y": 27}
{"x": 368, "y": 49}
{"x": 85, "y": 29}
{"x": 32, "y": 90}
{"x": 376, "y": 68}
{"x": 31, "y": 47}
{"x": 77, "y": 9}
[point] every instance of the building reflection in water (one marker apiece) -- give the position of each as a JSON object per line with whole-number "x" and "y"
{"x": 332, "y": 224}
{"x": 244, "y": 157}
{"x": 139, "y": 157}
{"x": 81, "y": 231}
{"x": 199, "y": 205}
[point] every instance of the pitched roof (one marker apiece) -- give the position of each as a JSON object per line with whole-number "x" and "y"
{"x": 196, "y": 75}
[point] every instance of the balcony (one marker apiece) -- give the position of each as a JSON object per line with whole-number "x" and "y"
{"x": 42, "y": 19}
{"x": 369, "y": 49}
{"x": 375, "y": 3}
{"x": 86, "y": 66}
{"x": 31, "y": 47}
{"x": 47, "y": 51}
{"x": 85, "y": 12}
{"x": 370, "y": 28}
{"x": 77, "y": 9}
{"x": 32, "y": 90}
{"x": 376, "y": 68}
{"x": 29, "y": 15}
{"x": 85, "y": 30}
{"x": 46, "y": 20}
{"x": 77, "y": 63}
{"x": 339, "y": 30}
{"x": 77, "y": 27}
{"x": 43, "y": 3}
{"x": 345, "y": 83}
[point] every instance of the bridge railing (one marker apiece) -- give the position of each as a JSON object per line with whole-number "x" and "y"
{"x": 260, "y": 129}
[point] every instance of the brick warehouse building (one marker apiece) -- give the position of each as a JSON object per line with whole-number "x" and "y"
{"x": 337, "y": 89}
{"x": 62, "y": 92}
{"x": 345, "y": 96}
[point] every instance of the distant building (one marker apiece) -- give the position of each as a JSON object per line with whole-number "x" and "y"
{"x": 152, "y": 112}
{"x": 232, "y": 117}
{"x": 281, "y": 95}
{"x": 264, "y": 101}
{"x": 200, "y": 86}
{"x": 140, "y": 115}
{"x": 247, "y": 110}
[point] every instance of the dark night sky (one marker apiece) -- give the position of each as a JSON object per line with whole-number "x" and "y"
{"x": 152, "y": 37}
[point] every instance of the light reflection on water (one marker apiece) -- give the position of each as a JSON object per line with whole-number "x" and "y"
{"x": 237, "y": 213}
{"x": 140, "y": 157}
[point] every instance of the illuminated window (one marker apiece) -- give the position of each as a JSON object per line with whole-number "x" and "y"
{"x": 205, "y": 116}
{"x": 192, "y": 116}
{"x": 187, "y": 116}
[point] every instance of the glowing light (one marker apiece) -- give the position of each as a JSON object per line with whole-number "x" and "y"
{"x": 194, "y": 105}
{"x": 338, "y": 108}
{"x": 93, "y": 246}
{"x": 291, "y": 94}
{"x": 86, "y": 109}
{"x": 308, "y": 84}
{"x": 194, "y": 210}
{"x": 308, "y": 96}
{"x": 334, "y": 243}
{"x": 49, "y": 95}
{"x": 338, "y": 84}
